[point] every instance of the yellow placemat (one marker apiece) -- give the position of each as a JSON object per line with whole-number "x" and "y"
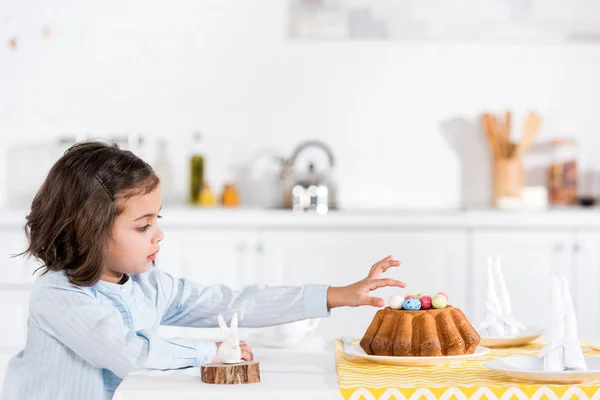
{"x": 361, "y": 379}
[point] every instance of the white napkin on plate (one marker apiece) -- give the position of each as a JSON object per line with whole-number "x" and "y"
{"x": 492, "y": 325}
{"x": 563, "y": 351}
{"x": 498, "y": 321}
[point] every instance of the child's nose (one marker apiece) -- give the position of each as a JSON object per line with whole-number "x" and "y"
{"x": 158, "y": 237}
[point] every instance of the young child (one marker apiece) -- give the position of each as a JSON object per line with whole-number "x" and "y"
{"x": 94, "y": 311}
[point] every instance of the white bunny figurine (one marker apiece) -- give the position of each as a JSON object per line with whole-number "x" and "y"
{"x": 229, "y": 351}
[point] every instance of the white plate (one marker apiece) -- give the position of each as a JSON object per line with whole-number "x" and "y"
{"x": 355, "y": 350}
{"x": 529, "y": 368}
{"x": 523, "y": 338}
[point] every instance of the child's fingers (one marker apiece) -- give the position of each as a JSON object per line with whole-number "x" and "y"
{"x": 382, "y": 266}
{"x": 379, "y": 283}
{"x": 374, "y": 301}
{"x": 247, "y": 354}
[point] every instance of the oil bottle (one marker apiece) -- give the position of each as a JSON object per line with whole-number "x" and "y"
{"x": 196, "y": 170}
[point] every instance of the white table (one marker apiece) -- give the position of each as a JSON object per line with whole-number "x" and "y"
{"x": 298, "y": 373}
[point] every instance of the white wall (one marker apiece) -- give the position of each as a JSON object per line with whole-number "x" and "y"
{"x": 228, "y": 68}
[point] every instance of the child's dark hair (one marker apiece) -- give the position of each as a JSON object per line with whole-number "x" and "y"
{"x": 73, "y": 212}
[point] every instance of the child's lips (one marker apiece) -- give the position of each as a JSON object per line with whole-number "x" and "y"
{"x": 152, "y": 256}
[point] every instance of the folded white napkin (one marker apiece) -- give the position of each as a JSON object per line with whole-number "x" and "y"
{"x": 492, "y": 325}
{"x": 511, "y": 326}
{"x": 563, "y": 351}
{"x": 498, "y": 321}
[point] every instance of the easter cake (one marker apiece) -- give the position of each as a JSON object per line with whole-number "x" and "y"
{"x": 422, "y": 326}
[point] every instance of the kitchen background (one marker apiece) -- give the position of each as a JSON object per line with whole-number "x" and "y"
{"x": 401, "y": 111}
{"x": 402, "y": 117}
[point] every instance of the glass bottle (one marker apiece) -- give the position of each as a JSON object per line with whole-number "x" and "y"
{"x": 196, "y": 165}
{"x": 563, "y": 172}
{"x": 230, "y": 196}
{"x": 162, "y": 168}
{"x": 206, "y": 198}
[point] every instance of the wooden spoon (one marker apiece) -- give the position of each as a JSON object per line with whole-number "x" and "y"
{"x": 507, "y": 124}
{"x": 532, "y": 125}
{"x": 489, "y": 132}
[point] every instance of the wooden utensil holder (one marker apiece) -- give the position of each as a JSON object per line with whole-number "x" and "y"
{"x": 508, "y": 177}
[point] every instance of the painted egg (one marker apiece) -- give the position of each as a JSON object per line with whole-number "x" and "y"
{"x": 421, "y": 295}
{"x": 396, "y": 302}
{"x": 439, "y": 301}
{"x": 443, "y": 294}
{"x": 425, "y": 302}
{"x": 410, "y": 296}
{"x": 411, "y": 304}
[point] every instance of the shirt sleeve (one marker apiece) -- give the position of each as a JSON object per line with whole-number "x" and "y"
{"x": 191, "y": 304}
{"x": 96, "y": 332}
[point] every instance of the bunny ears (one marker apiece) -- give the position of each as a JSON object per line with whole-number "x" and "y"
{"x": 232, "y": 331}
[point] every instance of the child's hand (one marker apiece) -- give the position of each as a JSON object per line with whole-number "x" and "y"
{"x": 247, "y": 354}
{"x": 357, "y": 294}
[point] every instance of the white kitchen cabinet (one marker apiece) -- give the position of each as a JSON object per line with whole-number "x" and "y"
{"x": 431, "y": 261}
{"x": 229, "y": 257}
{"x": 529, "y": 258}
{"x": 15, "y": 270}
{"x": 585, "y": 283}
{"x": 16, "y": 278}
{"x": 14, "y": 310}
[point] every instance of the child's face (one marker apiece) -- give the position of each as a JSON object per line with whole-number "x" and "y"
{"x": 135, "y": 237}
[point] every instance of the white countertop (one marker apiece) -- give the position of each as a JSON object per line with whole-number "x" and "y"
{"x": 181, "y": 217}
{"x": 284, "y": 374}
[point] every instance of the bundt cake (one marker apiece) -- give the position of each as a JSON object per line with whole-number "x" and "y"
{"x": 433, "y": 332}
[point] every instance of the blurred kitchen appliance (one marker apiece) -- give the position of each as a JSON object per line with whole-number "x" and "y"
{"x": 311, "y": 189}
{"x": 28, "y": 164}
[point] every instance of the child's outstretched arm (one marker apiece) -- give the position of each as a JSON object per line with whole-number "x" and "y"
{"x": 185, "y": 303}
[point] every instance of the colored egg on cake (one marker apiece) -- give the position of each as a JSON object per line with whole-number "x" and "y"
{"x": 396, "y": 302}
{"x": 443, "y": 294}
{"x": 411, "y": 304}
{"x": 425, "y": 302}
{"x": 439, "y": 301}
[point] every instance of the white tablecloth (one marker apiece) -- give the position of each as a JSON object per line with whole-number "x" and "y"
{"x": 300, "y": 373}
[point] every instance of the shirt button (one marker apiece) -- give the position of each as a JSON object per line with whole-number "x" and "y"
{"x": 123, "y": 289}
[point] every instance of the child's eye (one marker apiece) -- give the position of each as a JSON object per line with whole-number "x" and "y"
{"x": 144, "y": 228}
{"x": 159, "y": 216}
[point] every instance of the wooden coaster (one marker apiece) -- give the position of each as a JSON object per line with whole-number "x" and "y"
{"x": 231, "y": 374}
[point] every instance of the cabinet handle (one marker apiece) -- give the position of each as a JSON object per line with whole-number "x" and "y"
{"x": 559, "y": 247}
{"x": 241, "y": 247}
{"x": 260, "y": 247}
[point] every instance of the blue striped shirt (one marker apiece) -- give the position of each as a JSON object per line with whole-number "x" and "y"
{"x": 82, "y": 341}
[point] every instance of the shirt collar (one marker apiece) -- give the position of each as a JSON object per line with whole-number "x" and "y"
{"x": 116, "y": 287}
